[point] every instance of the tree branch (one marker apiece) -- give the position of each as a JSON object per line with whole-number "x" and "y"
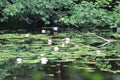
{"x": 104, "y": 44}
{"x": 99, "y": 37}
{"x": 106, "y": 40}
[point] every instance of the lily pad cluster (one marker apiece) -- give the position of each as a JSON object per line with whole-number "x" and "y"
{"x": 44, "y": 49}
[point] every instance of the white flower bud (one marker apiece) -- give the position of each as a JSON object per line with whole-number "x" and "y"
{"x": 19, "y": 60}
{"x": 27, "y": 35}
{"x": 55, "y": 28}
{"x": 43, "y": 31}
{"x": 67, "y": 40}
{"x": 63, "y": 45}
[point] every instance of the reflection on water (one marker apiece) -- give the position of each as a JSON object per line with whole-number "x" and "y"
{"x": 61, "y": 71}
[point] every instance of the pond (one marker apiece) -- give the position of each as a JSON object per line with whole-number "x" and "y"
{"x": 68, "y": 56}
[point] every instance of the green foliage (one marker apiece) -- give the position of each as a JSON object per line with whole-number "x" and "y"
{"x": 99, "y": 12}
{"x": 87, "y": 13}
{"x": 116, "y": 15}
{"x": 40, "y": 9}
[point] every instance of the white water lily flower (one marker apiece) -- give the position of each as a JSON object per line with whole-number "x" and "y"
{"x": 44, "y": 60}
{"x": 19, "y": 60}
{"x": 56, "y": 48}
{"x": 55, "y": 28}
{"x": 67, "y": 40}
{"x": 27, "y": 35}
{"x": 98, "y": 52}
{"x": 43, "y": 31}
{"x": 49, "y": 41}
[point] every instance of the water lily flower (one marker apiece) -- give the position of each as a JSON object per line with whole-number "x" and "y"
{"x": 67, "y": 40}
{"x": 55, "y": 28}
{"x": 19, "y": 60}
{"x": 98, "y": 52}
{"x": 44, "y": 60}
{"x": 43, "y": 31}
{"x": 56, "y": 48}
{"x": 27, "y": 35}
{"x": 63, "y": 45}
{"x": 49, "y": 41}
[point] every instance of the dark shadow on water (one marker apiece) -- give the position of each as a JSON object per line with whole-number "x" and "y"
{"x": 96, "y": 44}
